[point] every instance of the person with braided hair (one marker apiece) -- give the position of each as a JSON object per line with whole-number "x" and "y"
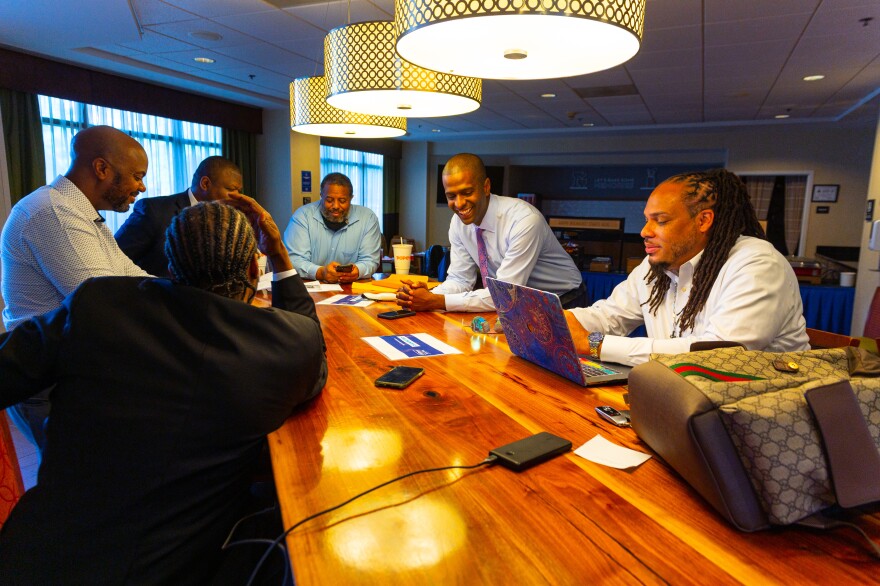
{"x": 159, "y": 420}
{"x": 709, "y": 275}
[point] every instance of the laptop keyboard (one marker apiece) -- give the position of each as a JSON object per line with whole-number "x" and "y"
{"x": 593, "y": 369}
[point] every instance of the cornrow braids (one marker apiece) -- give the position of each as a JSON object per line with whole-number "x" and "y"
{"x": 210, "y": 246}
{"x": 726, "y": 194}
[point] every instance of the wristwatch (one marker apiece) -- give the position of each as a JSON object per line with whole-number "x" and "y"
{"x": 595, "y": 339}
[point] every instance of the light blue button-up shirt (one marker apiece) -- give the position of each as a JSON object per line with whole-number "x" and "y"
{"x": 312, "y": 244}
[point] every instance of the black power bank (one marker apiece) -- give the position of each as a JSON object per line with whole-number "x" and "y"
{"x": 532, "y": 450}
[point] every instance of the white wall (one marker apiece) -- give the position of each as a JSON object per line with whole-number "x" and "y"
{"x": 868, "y": 277}
{"x": 282, "y": 156}
{"x": 415, "y": 209}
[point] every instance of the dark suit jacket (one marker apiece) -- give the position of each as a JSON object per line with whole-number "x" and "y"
{"x": 164, "y": 396}
{"x": 142, "y": 236}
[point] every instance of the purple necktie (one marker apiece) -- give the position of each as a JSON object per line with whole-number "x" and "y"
{"x": 481, "y": 253}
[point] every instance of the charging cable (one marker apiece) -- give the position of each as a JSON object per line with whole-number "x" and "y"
{"x": 491, "y": 459}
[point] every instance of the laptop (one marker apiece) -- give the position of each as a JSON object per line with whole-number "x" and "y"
{"x": 535, "y": 327}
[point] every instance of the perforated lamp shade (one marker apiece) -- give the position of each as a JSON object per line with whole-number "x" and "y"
{"x": 518, "y": 39}
{"x": 311, "y": 114}
{"x": 365, "y": 74}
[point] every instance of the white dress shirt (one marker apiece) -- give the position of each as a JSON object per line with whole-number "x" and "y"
{"x": 755, "y": 301}
{"x": 53, "y": 241}
{"x": 520, "y": 247}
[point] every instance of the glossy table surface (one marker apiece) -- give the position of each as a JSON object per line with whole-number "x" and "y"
{"x": 566, "y": 521}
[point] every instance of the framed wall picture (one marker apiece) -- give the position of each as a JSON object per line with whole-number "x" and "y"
{"x": 827, "y": 193}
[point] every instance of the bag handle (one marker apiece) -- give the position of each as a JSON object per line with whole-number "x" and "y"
{"x": 853, "y": 459}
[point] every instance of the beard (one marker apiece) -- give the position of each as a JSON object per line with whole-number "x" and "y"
{"x": 677, "y": 252}
{"x": 329, "y": 217}
{"x": 116, "y": 197}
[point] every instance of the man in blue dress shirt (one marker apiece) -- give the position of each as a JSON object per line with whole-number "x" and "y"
{"x": 331, "y": 232}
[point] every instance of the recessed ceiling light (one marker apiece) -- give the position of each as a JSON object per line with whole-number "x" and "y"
{"x": 435, "y": 130}
{"x": 203, "y": 60}
{"x": 781, "y": 116}
{"x": 206, "y": 35}
{"x": 548, "y": 95}
{"x": 814, "y": 77}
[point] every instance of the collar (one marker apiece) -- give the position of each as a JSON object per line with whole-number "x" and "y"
{"x": 686, "y": 271}
{"x": 76, "y": 198}
{"x": 192, "y": 198}
{"x": 490, "y": 220}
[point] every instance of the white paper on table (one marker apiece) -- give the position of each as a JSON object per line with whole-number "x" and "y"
{"x": 400, "y": 347}
{"x": 347, "y": 300}
{"x": 319, "y": 287}
{"x": 602, "y": 451}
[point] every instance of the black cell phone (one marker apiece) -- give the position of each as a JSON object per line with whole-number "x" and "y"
{"x": 397, "y": 314}
{"x": 399, "y": 377}
{"x": 344, "y": 268}
{"x": 532, "y": 450}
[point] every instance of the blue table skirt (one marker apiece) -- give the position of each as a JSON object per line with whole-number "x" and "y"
{"x": 826, "y": 307}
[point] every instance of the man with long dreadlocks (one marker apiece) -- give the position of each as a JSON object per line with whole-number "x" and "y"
{"x": 158, "y": 421}
{"x": 709, "y": 274}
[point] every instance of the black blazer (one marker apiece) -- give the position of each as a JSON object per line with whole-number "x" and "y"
{"x": 142, "y": 236}
{"x": 164, "y": 396}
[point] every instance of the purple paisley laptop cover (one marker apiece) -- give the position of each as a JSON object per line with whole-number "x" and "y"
{"x": 535, "y": 328}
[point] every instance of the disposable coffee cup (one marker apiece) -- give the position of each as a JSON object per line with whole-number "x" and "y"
{"x": 402, "y": 257}
{"x": 847, "y": 279}
{"x": 261, "y": 262}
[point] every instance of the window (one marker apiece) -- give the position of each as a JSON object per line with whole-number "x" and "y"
{"x": 365, "y": 171}
{"x": 174, "y": 148}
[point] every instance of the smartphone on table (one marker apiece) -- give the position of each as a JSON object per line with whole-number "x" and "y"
{"x": 399, "y": 377}
{"x": 397, "y": 314}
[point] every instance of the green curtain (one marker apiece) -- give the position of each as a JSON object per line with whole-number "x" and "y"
{"x": 240, "y": 147}
{"x": 23, "y": 133}
{"x": 391, "y": 196}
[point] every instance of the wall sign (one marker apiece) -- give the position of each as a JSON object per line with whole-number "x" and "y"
{"x": 825, "y": 193}
{"x": 306, "y": 181}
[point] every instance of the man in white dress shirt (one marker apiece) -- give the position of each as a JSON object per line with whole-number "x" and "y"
{"x": 55, "y": 239}
{"x": 709, "y": 275}
{"x": 493, "y": 236}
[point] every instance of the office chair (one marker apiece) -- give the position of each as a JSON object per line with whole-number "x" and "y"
{"x": 11, "y": 486}
{"x": 433, "y": 258}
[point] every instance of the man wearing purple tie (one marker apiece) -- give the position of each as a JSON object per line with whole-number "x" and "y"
{"x": 493, "y": 236}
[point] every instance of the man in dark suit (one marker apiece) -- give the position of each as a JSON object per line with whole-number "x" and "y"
{"x": 165, "y": 392}
{"x": 142, "y": 236}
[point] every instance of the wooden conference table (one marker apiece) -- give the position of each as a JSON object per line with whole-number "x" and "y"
{"x": 566, "y": 521}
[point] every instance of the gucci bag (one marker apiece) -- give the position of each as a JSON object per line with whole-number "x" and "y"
{"x": 766, "y": 438}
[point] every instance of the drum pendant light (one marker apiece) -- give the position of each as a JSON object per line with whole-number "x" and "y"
{"x": 519, "y": 39}
{"x": 365, "y": 74}
{"x": 311, "y": 114}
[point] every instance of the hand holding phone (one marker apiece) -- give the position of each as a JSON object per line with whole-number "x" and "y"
{"x": 397, "y": 314}
{"x": 399, "y": 377}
